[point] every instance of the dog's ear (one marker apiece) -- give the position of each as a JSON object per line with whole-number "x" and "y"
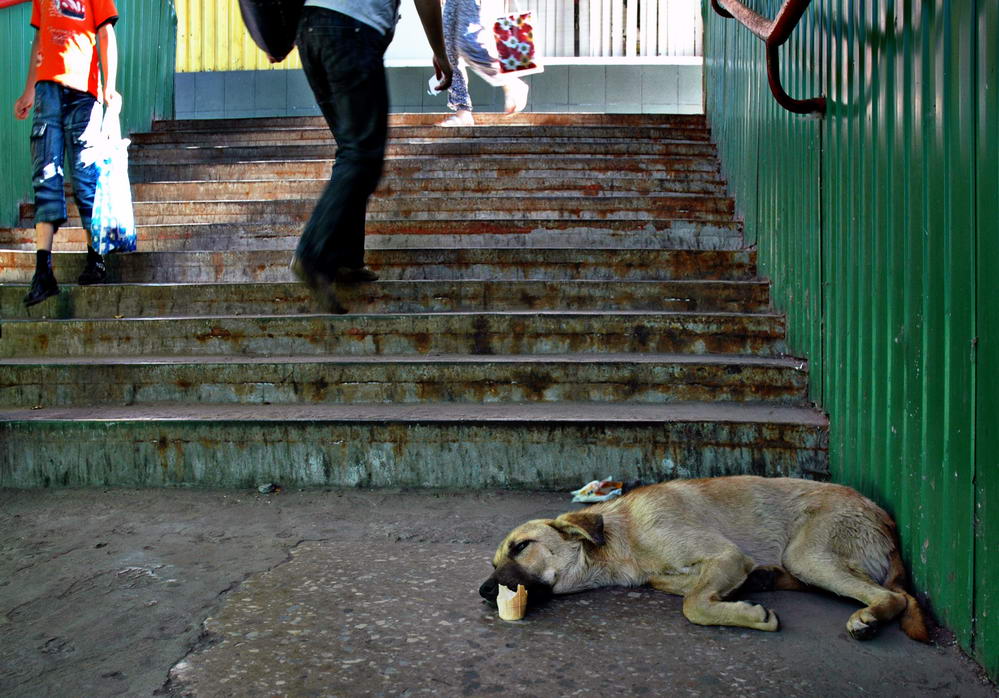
{"x": 581, "y": 525}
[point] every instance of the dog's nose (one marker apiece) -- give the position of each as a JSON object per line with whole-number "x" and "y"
{"x": 489, "y": 590}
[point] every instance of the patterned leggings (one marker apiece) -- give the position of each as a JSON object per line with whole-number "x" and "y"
{"x": 469, "y": 43}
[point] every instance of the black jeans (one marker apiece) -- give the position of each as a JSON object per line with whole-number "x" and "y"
{"x": 343, "y": 60}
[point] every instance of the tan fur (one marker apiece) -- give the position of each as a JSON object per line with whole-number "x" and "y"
{"x": 701, "y": 539}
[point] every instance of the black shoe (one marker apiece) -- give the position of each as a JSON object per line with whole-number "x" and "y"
{"x": 361, "y": 275}
{"x": 43, "y": 285}
{"x": 96, "y": 272}
{"x": 322, "y": 287}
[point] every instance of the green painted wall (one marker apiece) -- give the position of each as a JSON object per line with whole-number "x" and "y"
{"x": 877, "y": 225}
{"x": 147, "y": 37}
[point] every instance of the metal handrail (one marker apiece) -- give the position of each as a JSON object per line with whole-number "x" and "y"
{"x": 774, "y": 34}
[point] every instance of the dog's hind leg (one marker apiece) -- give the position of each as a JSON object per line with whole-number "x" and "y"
{"x": 833, "y": 574}
{"x": 717, "y": 578}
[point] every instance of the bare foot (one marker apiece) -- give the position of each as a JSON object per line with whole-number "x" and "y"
{"x": 516, "y": 96}
{"x": 461, "y": 117}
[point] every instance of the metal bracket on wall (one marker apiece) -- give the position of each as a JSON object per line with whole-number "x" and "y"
{"x": 774, "y": 34}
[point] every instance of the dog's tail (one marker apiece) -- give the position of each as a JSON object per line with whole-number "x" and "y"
{"x": 912, "y": 620}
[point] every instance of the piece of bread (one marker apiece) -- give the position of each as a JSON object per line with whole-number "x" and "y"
{"x": 512, "y": 604}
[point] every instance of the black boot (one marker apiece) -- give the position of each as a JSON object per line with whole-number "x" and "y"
{"x": 43, "y": 283}
{"x": 96, "y": 271}
{"x": 360, "y": 275}
{"x": 322, "y": 288}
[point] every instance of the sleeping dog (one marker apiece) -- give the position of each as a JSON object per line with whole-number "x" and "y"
{"x": 703, "y": 539}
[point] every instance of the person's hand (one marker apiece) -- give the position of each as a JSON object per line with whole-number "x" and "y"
{"x": 112, "y": 100}
{"x": 22, "y": 107}
{"x": 444, "y": 73}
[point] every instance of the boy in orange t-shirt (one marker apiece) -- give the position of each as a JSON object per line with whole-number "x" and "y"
{"x": 64, "y": 86}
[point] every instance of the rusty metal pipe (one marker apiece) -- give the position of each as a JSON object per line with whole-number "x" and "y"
{"x": 774, "y": 33}
{"x": 815, "y": 105}
{"x": 720, "y": 10}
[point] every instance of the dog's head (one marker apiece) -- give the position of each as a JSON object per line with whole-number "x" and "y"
{"x": 547, "y": 556}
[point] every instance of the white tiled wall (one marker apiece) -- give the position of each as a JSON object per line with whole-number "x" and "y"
{"x": 569, "y": 87}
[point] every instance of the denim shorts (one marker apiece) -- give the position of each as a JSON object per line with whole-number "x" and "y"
{"x": 64, "y": 120}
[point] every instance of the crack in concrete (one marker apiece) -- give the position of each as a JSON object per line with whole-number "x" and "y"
{"x": 174, "y": 685}
{"x": 47, "y": 559}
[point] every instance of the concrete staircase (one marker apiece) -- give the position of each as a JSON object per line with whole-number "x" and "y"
{"x": 563, "y": 297}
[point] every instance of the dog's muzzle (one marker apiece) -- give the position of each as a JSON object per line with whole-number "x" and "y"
{"x": 537, "y": 592}
{"x": 489, "y": 590}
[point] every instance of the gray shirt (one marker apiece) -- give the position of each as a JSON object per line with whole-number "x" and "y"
{"x": 380, "y": 14}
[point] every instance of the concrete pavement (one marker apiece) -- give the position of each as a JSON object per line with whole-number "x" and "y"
{"x": 358, "y": 592}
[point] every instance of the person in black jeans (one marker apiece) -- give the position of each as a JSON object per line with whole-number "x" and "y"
{"x": 342, "y": 56}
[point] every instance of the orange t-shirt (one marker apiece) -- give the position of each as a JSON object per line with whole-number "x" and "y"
{"x": 67, "y": 40}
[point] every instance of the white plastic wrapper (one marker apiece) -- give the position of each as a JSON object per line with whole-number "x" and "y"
{"x": 112, "y": 227}
{"x": 432, "y": 84}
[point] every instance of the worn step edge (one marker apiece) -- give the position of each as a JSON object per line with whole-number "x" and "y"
{"x": 282, "y": 136}
{"x": 137, "y": 300}
{"x": 506, "y": 332}
{"x": 651, "y": 378}
{"x": 679, "y": 168}
{"x": 494, "y": 202}
{"x": 530, "y": 413}
{"x": 407, "y": 234}
{"x": 431, "y": 118}
{"x": 445, "y": 264}
{"x": 443, "y": 445}
{"x": 526, "y": 149}
{"x": 310, "y": 189}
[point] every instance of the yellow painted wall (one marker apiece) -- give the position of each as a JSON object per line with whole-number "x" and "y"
{"x": 211, "y": 37}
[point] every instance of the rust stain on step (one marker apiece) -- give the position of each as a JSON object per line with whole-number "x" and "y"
{"x": 220, "y": 333}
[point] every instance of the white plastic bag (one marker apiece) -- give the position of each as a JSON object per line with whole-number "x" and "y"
{"x": 598, "y": 491}
{"x": 112, "y": 227}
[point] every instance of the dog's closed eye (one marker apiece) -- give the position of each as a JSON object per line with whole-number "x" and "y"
{"x": 518, "y": 548}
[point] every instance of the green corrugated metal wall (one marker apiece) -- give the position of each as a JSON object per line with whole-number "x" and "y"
{"x": 987, "y": 190}
{"x": 878, "y": 227}
{"x": 147, "y": 37}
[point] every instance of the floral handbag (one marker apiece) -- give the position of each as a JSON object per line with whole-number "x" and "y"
{"x": 515, "y": 44}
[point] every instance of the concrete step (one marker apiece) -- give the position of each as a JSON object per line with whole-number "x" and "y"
{"x": 144, "y": 300}
{"x": 444, "y": 445}
{"x": 466, "y": 187}
{"x": 526, "y": 148}
{"x": 644, "y": 378}
{"x": 551, "y": 167}
{"x": 389, "y": 233}
{"x": 321, "y": 134}
{"x": 496, "y": 209}
{"x": 549, "y": 264}
{"x": 651, "y": 234}
{"x": 498, "y": 332}
{"x": 429, "y": 119}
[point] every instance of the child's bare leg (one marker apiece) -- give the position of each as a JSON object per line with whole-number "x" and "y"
{"x": 44, "y": 234}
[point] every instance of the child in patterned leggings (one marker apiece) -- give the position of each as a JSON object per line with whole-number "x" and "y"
{"x": 466, "y": 38}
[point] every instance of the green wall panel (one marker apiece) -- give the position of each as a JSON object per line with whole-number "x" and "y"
{"x": 15, "y": 184}
{"x": 877, "y": 226}
{"x": 147, "y": 36}
{"x": 987, "y": 456}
